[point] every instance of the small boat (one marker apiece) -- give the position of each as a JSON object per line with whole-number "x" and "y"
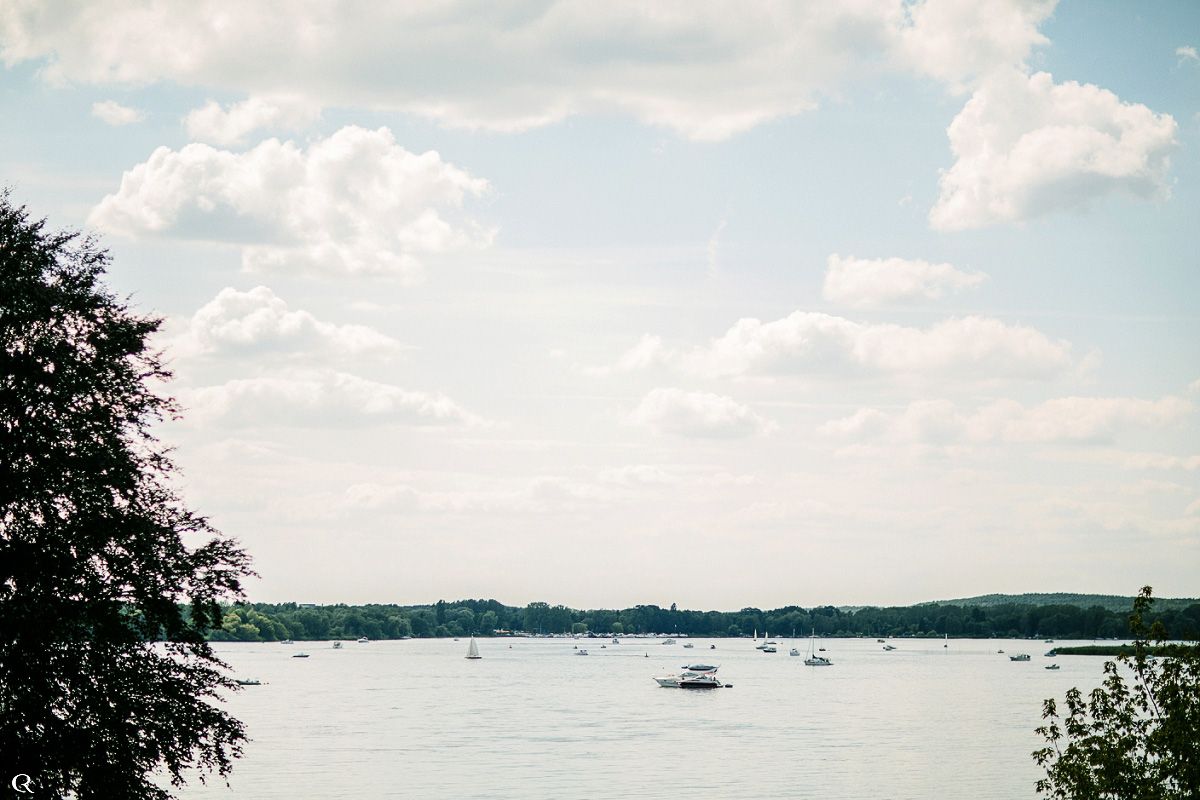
{"x": 603, "y": 647}
{"x": 793, "y": 652}
{"x": 688, "y": 645}
{"x": 473, "y": 650}
{"x": 1019, "y": 657}
{"x": 879, "y": 641}
{"x": 581, "y": 652}
{"x": 768, "y": 648}
{"x": 668, "y": 641}
{"x": 286, "y": 641}
{"x": 363, "y": 640}
{"x": 1051, "y": 653}
{"x": 813, "y": 659}
{"x": 1051, "y": 666}
{"x": 616, "y": 640}
{"x": 249, "y": 682}
{"x": 889, "y": 647}
{"x": 1049, "y": 641}
{"x": 700, "y": 669}
{"x": 299, "y": 655}
{"x": 337, "y": 645}
{"x": 707, "y": 681}
{"x": 712, "y": 647}
{"x": 999, "y": 652}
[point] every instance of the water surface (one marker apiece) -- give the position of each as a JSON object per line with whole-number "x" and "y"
{"x": 414, "y": 719}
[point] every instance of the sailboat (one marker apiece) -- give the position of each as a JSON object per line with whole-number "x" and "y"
{"x": 793, "y": 651}
{"x": 473, "y": 649}
{"x": 767, "y": 646}
{"x": 813, "y": 659}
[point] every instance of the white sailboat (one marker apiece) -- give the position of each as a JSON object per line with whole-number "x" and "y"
{"x": 473, "y": 649}
{"x": 813, "y": 659}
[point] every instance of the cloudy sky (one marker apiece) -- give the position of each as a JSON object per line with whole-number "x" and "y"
{"x": 713, "y": 303}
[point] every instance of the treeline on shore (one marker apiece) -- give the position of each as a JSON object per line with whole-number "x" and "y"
{"x": 264, "y": 622}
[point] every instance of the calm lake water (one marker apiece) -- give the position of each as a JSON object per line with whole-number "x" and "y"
{"x": 415, "y": 719}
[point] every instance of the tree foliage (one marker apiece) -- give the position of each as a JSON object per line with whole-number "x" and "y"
{"x": 1137, "y": 735}
{"x": 108, "y": 582}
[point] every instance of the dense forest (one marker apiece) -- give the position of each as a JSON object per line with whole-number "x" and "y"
{"x": 255, "y": 622}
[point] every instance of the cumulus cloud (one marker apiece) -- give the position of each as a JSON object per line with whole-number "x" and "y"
{"x": 707, "y": 70}
{"x": 959, "y": 42}
{"x": 259, "y": 321}
{"x": 213, "y": 124}
{"x": 868, "y": 282}
{"x": 323, "y": 398}
{"x": 809, "y": 342}
{"x": 355, "y": 202}
{"x": 1073, "y": 420}
{"x": 1025, "y": 146}
{"x": 1187, "y": 53}
{"x": 113, "y": 113}
{"x": 697, "y": 414}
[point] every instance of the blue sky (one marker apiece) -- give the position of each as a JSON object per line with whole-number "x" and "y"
{"x": 872, "y": 302}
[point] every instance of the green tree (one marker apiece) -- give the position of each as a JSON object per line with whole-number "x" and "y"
{"x": 98, "y": 555}
{"x": 1136, "y": 736}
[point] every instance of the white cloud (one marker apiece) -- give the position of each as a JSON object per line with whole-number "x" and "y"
{"x": 322, "y": 398}
{"x": 355, "y": 202}
{"x": 864, "y": 282}
{"x": 809, "y": 342}
{"x": 1078, "y": 420}
{"x": 215, "y": 125}
{"x": 697, "y": 414}
{"x": 257, "y": 321}
{"x": 1025, "y": 146}
{"x": 958, "y": 42}
{"x": 113, "y": 113}
{"x": 707, "y": 70}
{"x": 1187, "y": 53}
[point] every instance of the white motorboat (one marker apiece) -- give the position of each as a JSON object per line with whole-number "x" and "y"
{"x": 813, "y": 659}
{"x": 1051, "y": 653}
{"x": 286, "y": 641}
{"x": 793, "y": 652}
{"x": 668, "y": 641}
{"x": 363, "y": 640}
{"x": 299, "y": 655}
{"x": 689, "y": 671}
{"x": 688, "y": 645}
{"x": 889, "y": 647}
{"x": 616, "y": 640}
{"x": 337, "y": 645}
{"x": 581, "y": 652}
{"x": 473, "y": 650}
{"x": 1019, "y": 657}
{"x": 768, "y": 648}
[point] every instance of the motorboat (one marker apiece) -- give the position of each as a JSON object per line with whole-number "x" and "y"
{"x": 1052, "y": 666}
{"x": 687, "y": 645}
{"x": 668, "y": 641}
{"x": 712, "y": 647}
{"x": 889, "y": 647}
{"x": 473, "y": 650}
{"x": 363, "y": 640}
{"x": 1051, "y": 653}
{"x": 813, "y": 659}
{"x": 337, "y": 645}
{"x": 1019, "y": 657}
{"x": 249, "y": 682}
{"x": 616, "y": 640}
{"x": 793, "y": 652}
{"x": 879, "y": 641}
{"x": 768, "y": 648}
{"x": 707, "y": 681}
{"x": 581, "y": 652}
{"x": 689, "y": 671}
{"x": 286, "y": 641}
{"x": 299, "y": 655}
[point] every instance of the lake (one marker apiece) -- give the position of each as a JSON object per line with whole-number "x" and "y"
{"x": 414, "y": 719}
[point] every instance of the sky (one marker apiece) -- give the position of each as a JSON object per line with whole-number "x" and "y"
{"x": 710, "y": 303}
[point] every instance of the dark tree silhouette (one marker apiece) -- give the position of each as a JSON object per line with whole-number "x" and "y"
{"x": 1137, "y": 735}
{"x": 108, "y": 583}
